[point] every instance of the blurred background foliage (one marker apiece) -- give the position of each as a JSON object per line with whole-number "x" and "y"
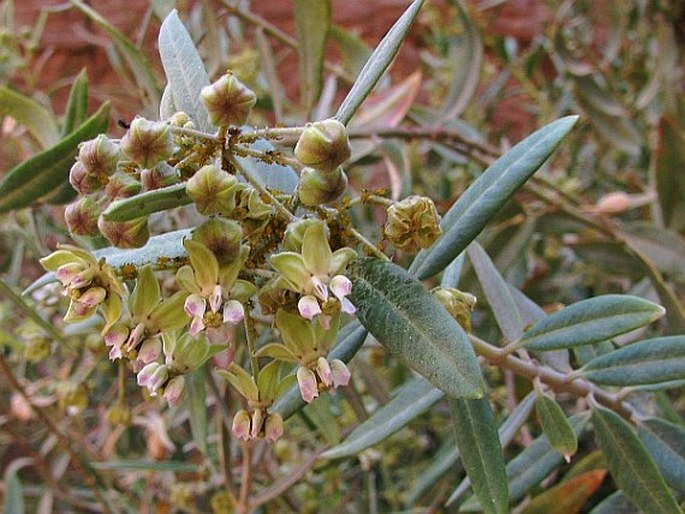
{"x": 606, "y": 215}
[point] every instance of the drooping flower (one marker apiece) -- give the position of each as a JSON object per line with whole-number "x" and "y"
{"x": 315, "y": 272}
{"x": 216, "y": 294}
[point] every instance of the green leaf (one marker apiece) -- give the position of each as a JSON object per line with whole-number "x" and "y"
{"x": 481, "y": 201}
{"x": 77, "y": 105}
{"x": 616, "y": 503}
{"x": 319, "y": 412}
{"x": 412, "y": 400}
{"x": 379, "y": 61}
{"x": 137, "y": 61}
{"x": 184, "y": 70}
{"x": 670, "y": 158}
{"x": 630, "y": 464}
{"x": 313, "y": 21}
{"x": 37, "y": 119}
{"x": 591, "y": 321}
{"x": 147, "y": 203}
{"x": 14, "y": 491}
{"x": 481, "y": 454}
{"x": 46, "y": 171}
{"x": 197, "y": 408}
{"x": 350, "y": 340}
{"x": 142, "y": 465}
{"x": 496, "y": 292}
{"x": 160, "y": 251}
{"x": 466, "y": 54}
{"x": 665, "y": 248}
{"x": 556, "y": 427}
{"x": 652, "y": 361}
{"x": 665, "y": 442}
{"x": 412, "y": 325}
{"x": 439, "y": 467}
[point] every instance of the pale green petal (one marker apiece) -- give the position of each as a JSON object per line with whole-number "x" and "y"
{"x": 111, "y": 310}
{"x": 204, "y": 264}
{"x": 185, "y": 277}
{"x": 268, "y": 379}
{"x": 229, "y": 273}
{"x": 169, "y": 315}
{"x": 296, "y": 332}
{"x": 291, "y": 266}
{"x": 316, "y": 251}
{"x": 242, "y": 290}
{"x": 146, "y": 295}
{"x": 340, "y": 259}
{"x": 59, "y": 258}
{"x": 276, "y": 351}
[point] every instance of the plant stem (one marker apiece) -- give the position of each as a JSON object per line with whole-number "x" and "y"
{"x": 246, "y": 478}
{"x": 367, "y": 244}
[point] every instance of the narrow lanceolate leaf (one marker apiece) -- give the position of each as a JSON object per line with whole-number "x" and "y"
{"x": 27, "y": 112}
{"x": 413, "y": 326}
{"x": 77, "y": 104}
{"x": 570, "y": 496}
{"x": 197, "y": 408}
{"x": 184, "y": 69}
{"x": 486, "y": 196}
{"x": 313, "y": 21}
{"x": 665, "y": 442}
{"x": 590, "y": 321}
{"x": 137, "y": 62}
{"x": 379, "y": 61}
{"x": 164, "y": 251}
{"x": 556, "y": 426}
{"x": 616, "y": 503}
{"x": 350, "y": 340}
{"x": 412, "y": 400}
{"x": 653, "y": 361}
{"x": 46, "y": 171}
{"x": 476, "y": 433}
{"x": 147, "y": 203}
{"x": 496, "y": 292}
{"x": 630, "y": 464}
{"x": 466, "y": 56}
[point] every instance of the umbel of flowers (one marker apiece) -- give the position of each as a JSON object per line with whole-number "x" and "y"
{"x": 250, "y": 243}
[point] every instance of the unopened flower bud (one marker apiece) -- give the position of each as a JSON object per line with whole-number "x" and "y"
{"x": 273, "y": 427}
{"x": 340, "y": 374}
{"x": 122, "y": 185}
{"x": 412, "y": 223}
{"x": 228, "y": 101}
{"x": 147, "y": 142}
{"x": 323, "y": 145}
{"x": 222, "y": 237}
{"x": 306, "y": 380}
{"x": 150, "y": 350}
{"x": 213, "y": 190}
{"x": 241, "y": 425}
{"x": 125, "y": 234}
{"x": 160, "y": 176}
{"x": 457, "y": 303}
{"x": 174, "y": 390}
{"x": 82, "y": 180}
{"x": 82, "y": 217}
{"x": 316, "y": 188}
{"x": 99, "y": 156}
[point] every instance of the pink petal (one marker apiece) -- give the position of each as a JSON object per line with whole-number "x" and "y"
{"x": 320, "y": 289}
{"x": 325, "y": 322}
{"x": 117, "y": 335}
{"x": 135, "y": 336}
{"x": 273, "y": 428}
{"x": 347, "y": 307}
{"x": 341, "y": 286}
{"x": 306, "y": 380}
{"x": 340, "y": 373}
{"x": 173, "y": 392}
{"x": 150, "y": 350}
{"x": 308, "y": 307}
{"x": 234, "y": 312}
{"x": 241, "y": 425}
{"x": 145, "y": 374}
{"x": 215, "y": 298}
{"x": 115, "y": 353}
{"x": 324, "y": 371}
{"x": 196, "y": 326}
{"x": 195, "y": 306}
{"x": 94, "y": 296}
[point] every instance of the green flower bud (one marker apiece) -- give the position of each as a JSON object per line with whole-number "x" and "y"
{"x": 82, "y": 217}
{"x": 148, "y": 143}
{"x": 316, "y": 188}
{"x": 228, "y": 101}
{"x": 99, "y": 156}
{"x": 213, "y": 190}
{"x": 323, "y": 145}
{"x": 122, "y": 185}
{"x": 125, "y": 234}
{"x": 82, "y": 180}
{"x": 458, "y": 304}
{"x": 412, "y": 223}
{"x": 222, "y": 237}
{"x": 161, "y": 175}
